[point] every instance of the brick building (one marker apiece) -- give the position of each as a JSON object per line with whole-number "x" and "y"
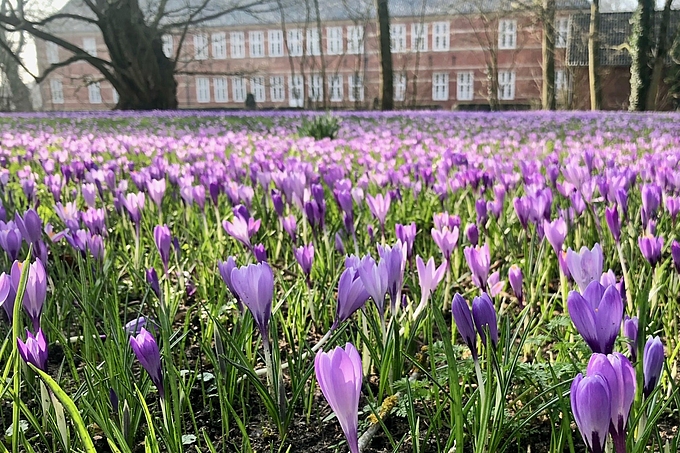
{"x": 441, "y": 52}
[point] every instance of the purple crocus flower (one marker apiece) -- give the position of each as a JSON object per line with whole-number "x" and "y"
{"x": 34, "y": 350}
{"x": 395, "y": 261}
{"x": 523, "y": 210}
{"x": 89, "y": 192}
{"x": 225, "y": 268}
{"x": 277, "y": 201}
{"x": 152, "y": 280}
{"x": 134, "y": 204}
{"x": 651, "y": 199}
{"x": 254, "y": 285}
{"x": 375, "y": 278}
{"x": 611, "y": 215}
{"x": 652, "y": 364}
{"x": 340, "y": 375}
{"x": 407, "y": 235}
{"x": 379, "y": 207}
{"x": 555, "y": 233}
{"x": 7, "y": 295}
{"x": 156, "y": 189}
{"x": 446, "y": 240}
{"x": 675, "y": 254}
{"x": 672, "y": 206}
{"x": 463, "y": 318}
{"x": 630, "y": 331}
{"x": 472, "y": 233}
{"x": 651, "y": 246}
{"x": 260, "y": 253}
{"x": 242, "y": 227}
{"x": 597, "y": 315}
{"x": 135, "y": 326}
{"x": 146, "y": 350}
{"x": 30, "y": 226}
{"x": 339, "y": 246}
{"x": 479, "y": 261}
{"x": 482, "y": 214}
{"x": 591, "y": 405}
{"x": 10, "y": 239}
{"x": 484, "y": 315}
{"x": 585, "y": 266}
{"x": 443, "y": 220}
{"x": 36, "y": 291}
{"x": 305, "y": 257}
{"x": 515, "y": 277}
{"x": 352, "y": 296}
{"x": 290, "y": 226}
{"x": 163, "y": 240}
{"x": 429, "y": 277}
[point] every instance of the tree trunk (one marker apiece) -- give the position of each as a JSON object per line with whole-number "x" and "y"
{"x": 661, "y": 53}
{"x": 548, "y": 54}
{"x": 143, "y": 76}
{"x": 594, "y": 55}
{"x": 387, "y": 72}
{"x": 640, "y": 53}
{"x": 324, "y": 82}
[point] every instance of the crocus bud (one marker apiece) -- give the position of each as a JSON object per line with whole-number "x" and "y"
{"x": 339, "y": 246}
{"x": 146, "y": 350}
{"x": 650, "y": 247}
{"x": 36, "y": 292}
{"x": 305, "y": 257}
{"x": 484, "y": 315}
{"x": 375, "y": 278}
{"x": 652, "y": 364}
{"x": 515, "y": 277}
{"x": 620, "y": 376}
{"x": 463, "y": 318}
{"x": 290, "y": 226}
{"x": 34, "y": 350}
{"x": 152, "y": 280}
{"x": 585, "y": 266}
{"x": 407, "y": 235}
{"x": 479, "y": 261}
{"x": 597, "y": 315}
{"x": 555, "y": 233}
{"x": 472, "y": 233}
{"x": 260, "y": 253}
{"x": 591, "y": 405}
{"x": 630, "y": 331}
{"x": 225, "y": 268}
{"x": 254, "y": 285}
{"x": 352, "y": 296}
{"x": 163, "y": 240}
{"x": 613, "y": 222}
{"x": 29, "y": 225}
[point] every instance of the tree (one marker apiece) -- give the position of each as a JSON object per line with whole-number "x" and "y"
{"x": 141, "y": 73}
{"x": 548, "y": 55}
{"x": 387, "y": 72}
{"x": 594, "y": 55}
{"x": 20, "y": 94}
{"x": 640, "y": 52}
{"x": 661, "y": 52}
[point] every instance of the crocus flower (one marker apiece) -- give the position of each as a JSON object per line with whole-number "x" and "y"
{"x": 351, "y": 296}
{"x": 630, "y": 331}
{"x": 597, "y": 315}
{"x": 407, "y": 235}
{"x": 652, "y": 364}
{"x": 482, "y": 214}
{"x": 254, "y": 285}
{"x": 585, "y": 266}
{"x": 7, "y": 295}
{"x": 290, "y": 226}
{"x": 225, "y": 268}
{"x": 675, "y": 254}
{"x": 34, "y": 350}
{"x": 611, "y": 215}
{"x": 339, "y": 246}
{"x": 523, "y": 210}
{"x": 152, "y": 280}
{"x": 484, "y": 315}
{"x": 429, "y": 277}
{"x": 620, "y": 376}
{"x": 651, "y": 246}
{"x": 446, "y": 240}
{"x": 591, "y": 405}
{"x": 395, "y": 261}
{"x": 134, "y": 203}
{"x": 555, "y": 233}
{"x": 651, "y": 199}
{"x": 156, "y": 189}
{"x": 375, "y": 278}
{"x": 379, "y": 206}
{"x": 29, "y": 225}
{"x": 479, "y": 261}
{"x": 146, "y": 350}
{"x": 163, "y": 240}
{"x": 36, "y": 291}
{"x": 260, "y": 253}
{"x": 463, "y": 318}
{"x": 472, "y": 233}
{"x": 515, "y": 277}
{"x": 443, "y": 220}
{"x": 305, "y": 257}
{"x": 135, "y": 326}
{"x": 10, "y": 239}
{"x": 340, "y": 375}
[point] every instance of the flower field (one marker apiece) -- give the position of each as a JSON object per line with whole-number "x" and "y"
{"x": 426, "y": 282}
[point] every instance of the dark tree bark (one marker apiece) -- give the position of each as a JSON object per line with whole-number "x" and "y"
{"x": 594, "y": 56}
{"x": 387, "y": 71}
{"x": 662, "y": 48}
{"x": 640, "y": 53}
{"x": 548, "y": 54}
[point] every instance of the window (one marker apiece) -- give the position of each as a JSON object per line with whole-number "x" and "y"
{"x": 398, "y": 37}
{"x": 465, "y": 89}
{"x": 335, "y": 87}
{"x": 419, "y": 37}
{"x": 296, "y": 87}
{"x": 220, "y": 88}
{"x": 114, "y": 95}
{"x": 52, "y": 52}
{"x": 202, "y": 89}
{"x": 257, "y": 88}
{"x": 561, "y": 32}
{"x": 275, "y": 43}
{"x": 201, "y": 46}
{"x": 295, "y": 42}
{"x": 168, "y": 46}
{"x": 356, "y": 88}
{"x": 57, "y": 90}
{"x": 316, "y": 87}
{"x": 90, "y": 46}
{"x": 507, "y": 34}
{"x": 237, "y": 44}
{"x": 334, "y": 40}
{"x": 355, "y": 39}
{"x": 276, "y": 89}
{"x": 440, "y": 86}
{"x": 399, "y": 86}
{"x": 440, "y": 36}
{"x": 219, "y": 46}
{"x": 256, "y": 39}
{"x": 238, "y": 89}
{"x": 95, "y": 93}
{"x": 561, "y": 81}
{"x": 506, "y": 85}
{"x": 313, "y": 42}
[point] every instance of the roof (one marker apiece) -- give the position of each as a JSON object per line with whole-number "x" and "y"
{"x": 299, "y": 11}
{"x": 615, "y": 28}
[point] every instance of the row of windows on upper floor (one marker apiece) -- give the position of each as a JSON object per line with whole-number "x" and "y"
{"x": 336, "y": 42}
{"x": 465, "y": 88}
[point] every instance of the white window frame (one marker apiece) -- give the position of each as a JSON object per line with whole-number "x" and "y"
{"x": 465, "y": 85}
{"x": 355, "y": 85}
{"x": 507, "y": 34}
{"x": 441, "y": 36}
{"x": 506, "y": 85}
{"x": 52, "y": 51}
{"x": 237, "y": 44}
{"x": 219, "y": 45}
{"x": 277, "y": 89}
{"x": 296, "y": 88}
{"x": 94, "y": 93}
{"x": 561, "y": 32}
{"x": 238, "y": 89}
{"x": 355, "y": 39}
{"x": 399, "y": 86}
{"x": 313, "y": 44}
{"x": 114, "y": 95}
{"x": 398, "y": 38}
{"x": 440, "y": 86}
{"x": 220, "y": 92}
{"x": 258, "y": 89}
{"x": 335, "y": 84}
{"x": 90, "y": 46}
{"x": 202, "y": 90}
{"x": 334, "y": 40}
{"x": 315, "y": 87}
{"x": 201, "y": 46}
{"x": 57, "y": 91}
{"x": 294, "y": 36}
{"x": 168, "y": 45}
{"x": 419, "y": 37}
{"x": 275, "y": 38}
{"x": 562, "y": 81}
{"x": 256, "y": 44}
